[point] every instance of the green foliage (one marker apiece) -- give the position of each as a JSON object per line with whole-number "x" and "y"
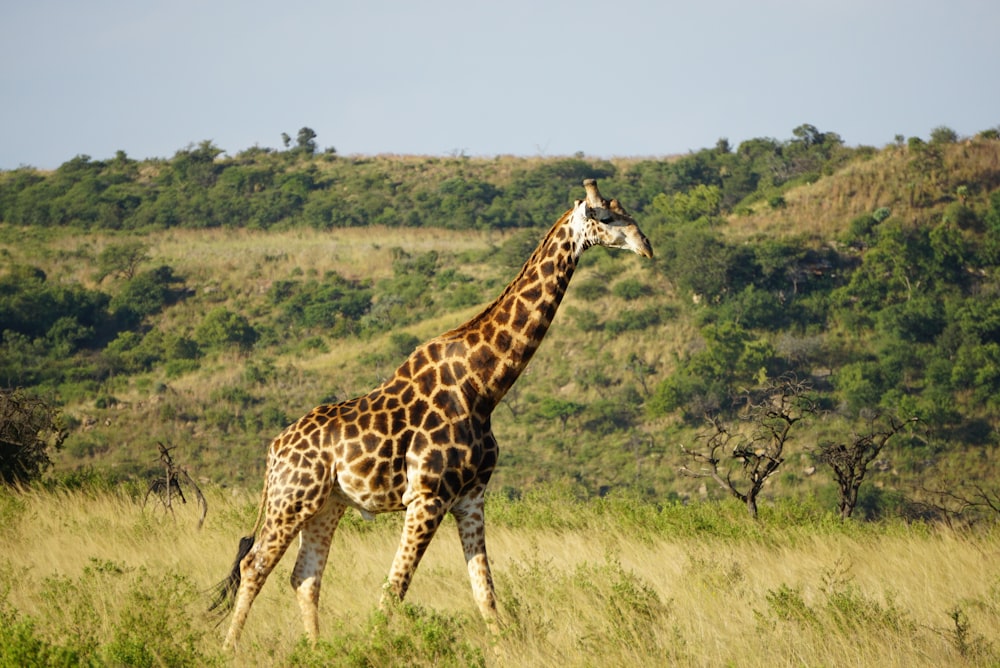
{"x": 943, "y": 135}
{"x": 697, "y": 260}
{"x": 32, "y": 306}
{"x": 516, "y": 249}
{"x": 702, "y": 202}
{"x": 842, "y": 608}
{"x": 591, "y": 289}
{"x": 222, "y": 328}
{"x": 22, "y": 645}
{"x": 969, "y": 644}
{"x": 132, "y": 353}
{"x": 631, "y": 289}
{"x": 152, "y": 627}
{"x": 786, "y": 604}
{"x": 466, "y": 203}
{"x": 305, "y": 141}
{"x": 334, "y": 304}
{"x": 551, "y": 408}
{"x": 402, "y": 344}
{"x": 146, "y": 294}
{"x": 707, "y": 380}
{"x": 860, "y": 384}
{"x": 636, "y": 320}
{"x": 463, "y": 293}
{"x": 407, "y": 635}
{"x": 753, "y": 308}
{"x": 122, "y": 259}
{"x": 261, "y": 188}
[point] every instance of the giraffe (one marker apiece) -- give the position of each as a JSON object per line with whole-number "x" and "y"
{"x": 421, "y": 442}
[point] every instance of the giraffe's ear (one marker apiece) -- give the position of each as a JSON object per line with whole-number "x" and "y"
{"x": 584, "y": 206}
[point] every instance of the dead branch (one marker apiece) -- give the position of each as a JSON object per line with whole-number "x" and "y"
{"x": 165, "y": 487}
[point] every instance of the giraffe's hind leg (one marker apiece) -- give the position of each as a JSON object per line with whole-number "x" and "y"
{"x": 254, "y": 569}
{"x": 316, "y": 536}
{"x": 285, "y": 516}
{"x": 470, "y": 518}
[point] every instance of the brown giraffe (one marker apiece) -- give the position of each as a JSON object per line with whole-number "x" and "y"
{"x": 421, "y": 442}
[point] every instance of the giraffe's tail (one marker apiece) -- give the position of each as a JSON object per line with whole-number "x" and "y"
{"x": 224, "y": 593}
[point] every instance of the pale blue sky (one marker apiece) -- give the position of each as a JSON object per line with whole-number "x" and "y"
{"x": 613, "y": 78}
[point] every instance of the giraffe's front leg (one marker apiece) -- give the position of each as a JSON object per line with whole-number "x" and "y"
{"x": 470, "y": 518}
{"x": 423, "y": 517}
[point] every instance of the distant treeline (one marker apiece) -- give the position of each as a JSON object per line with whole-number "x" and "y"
{"x": 261, "y": 188}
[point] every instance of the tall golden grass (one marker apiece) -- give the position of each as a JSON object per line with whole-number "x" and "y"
{"x": 580, "y": 584}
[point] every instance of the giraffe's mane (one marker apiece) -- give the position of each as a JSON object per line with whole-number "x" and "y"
{"x": 512, "y": 285}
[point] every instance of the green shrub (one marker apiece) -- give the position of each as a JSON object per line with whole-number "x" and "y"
{"x": 631, "y": 288}
{"x": 21, "y": 645}
{"x": 786, "y": 603}
{"x": 407, "y": 635}
{"x": 585, "y": 319}
{"x": 334, "y": 304}
{"x": 145, "y": 294}
{"x": 634, "y": 321}
{"x": 151, "y": 625}
{"x": 590, "y": 289}
{"x": 222, "y": 328}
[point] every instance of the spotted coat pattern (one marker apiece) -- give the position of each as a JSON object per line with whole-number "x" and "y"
{"x": 421, "y": 442}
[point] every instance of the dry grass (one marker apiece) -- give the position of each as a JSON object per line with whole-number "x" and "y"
{"x": 248, "y": 259}
{"x": 591, "y": 595}
{"x": 355, "y": 253}
{"x": 822, "y": 210}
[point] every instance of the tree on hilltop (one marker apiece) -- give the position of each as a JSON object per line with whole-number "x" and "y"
{"x": 305, "y": 141}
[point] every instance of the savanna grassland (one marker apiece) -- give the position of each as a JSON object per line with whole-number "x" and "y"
{"x": 205, "y": 301}
{"x": 95, "y": 578}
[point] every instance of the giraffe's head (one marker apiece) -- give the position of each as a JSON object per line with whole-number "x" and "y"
{"x": 606, "y": 223}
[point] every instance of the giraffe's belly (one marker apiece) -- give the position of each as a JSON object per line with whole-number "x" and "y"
{"x": 358, "y": 494}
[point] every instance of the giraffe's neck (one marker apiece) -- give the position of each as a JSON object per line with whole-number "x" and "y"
{"x": 503, "y": 337}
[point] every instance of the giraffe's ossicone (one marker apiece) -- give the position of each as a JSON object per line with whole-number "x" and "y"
{"x": 421, "y": 442}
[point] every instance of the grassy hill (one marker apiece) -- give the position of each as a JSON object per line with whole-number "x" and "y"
{"x": 444, "y": 235}
{"x": 887, "y": 178}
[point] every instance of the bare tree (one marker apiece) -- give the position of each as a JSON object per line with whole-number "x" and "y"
{"x": 962, "y": 502}
{"x": 164, "y": 488}
{"x": 758, "y": 449}
{"x": 850, "y": 460}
